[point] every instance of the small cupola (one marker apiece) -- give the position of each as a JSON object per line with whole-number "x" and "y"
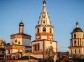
{"x": 21, "y": 27}
{"x": 77, "y": 29}
{"x": 21, "y": 24}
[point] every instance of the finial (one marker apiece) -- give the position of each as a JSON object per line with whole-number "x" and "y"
{"x": 44, "y": 2}
{"x": 21, "y": 19}
{"x": 21, "y": 23}
{"x": 77, "y": 24}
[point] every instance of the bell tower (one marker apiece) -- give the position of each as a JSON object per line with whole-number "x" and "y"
{"x": 44, "y": 37}
{"x": 76, "y": 49}
{"x": 44, "y": 29}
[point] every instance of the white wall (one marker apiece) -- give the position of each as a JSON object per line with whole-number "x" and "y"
{"x": 47, "y": 45}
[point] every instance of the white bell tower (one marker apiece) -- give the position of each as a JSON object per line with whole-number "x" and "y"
{"x": 44, "y": 36}
{"x": 44, "y": 29}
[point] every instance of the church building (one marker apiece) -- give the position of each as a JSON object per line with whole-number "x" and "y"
{"x": 44, "y": 45}
{"x": 76, "y": 49}
{"x": 19, "y": 45}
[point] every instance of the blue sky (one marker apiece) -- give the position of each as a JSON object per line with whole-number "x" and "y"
{"x": 63, "y": 15}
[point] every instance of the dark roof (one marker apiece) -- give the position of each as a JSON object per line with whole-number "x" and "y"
{"x": 77, "y": 29}
{"x": 21, "y": 23}
{"x": 28, "y": 46}
{"x": 21, "y": 34}
{"x": 43, "y": 40}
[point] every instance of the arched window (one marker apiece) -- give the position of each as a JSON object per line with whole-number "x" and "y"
{"x": 71, "y": 43}
{"x": 37, "y": 30}
{"x": 35, "y": 47}
{"x": 74, "y": 35}
{"x": 38, "y": 46}
{"x": 15, "y": 40}
{"x": 50, "y": 30}
{"x": 74, "y": 43}
{"x": 19, "y": 43}
{"x": 44, "y": 29}
{"x": 43, "y": 22}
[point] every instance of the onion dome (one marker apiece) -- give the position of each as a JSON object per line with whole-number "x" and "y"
{"x": 77, "y": 29}
{"x": 44, "y": 2}
{"x": 21, "y": 24}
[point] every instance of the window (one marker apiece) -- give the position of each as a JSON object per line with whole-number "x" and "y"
{"x": 50, "y": 30}
{"x": 71, "y": 43}
{"x": 19, "y": 43}
{"x": 43, "y": 22}
{"x": 35, "y": 47}
{"x": 74, "y": 43}
{"x": 3, "y": 52}
{"x": 74, "y": 35}
{"x": 44, "y": 29}
{"x": 37, "y": 30}
{"x": 15, "y": 40}
{"x": 38, "y": 46}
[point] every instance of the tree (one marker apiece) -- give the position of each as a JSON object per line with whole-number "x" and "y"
{"x": 49, "y": 55}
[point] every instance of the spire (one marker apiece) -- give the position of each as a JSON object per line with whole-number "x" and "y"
{"x": 77, "y": 24}
{"x": 44, "y": 18}
{"x": 44, "y": 5}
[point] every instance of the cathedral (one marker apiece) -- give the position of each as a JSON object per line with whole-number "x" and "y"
{"x": 44, "y": 45}
{"x": 76, "y": 49}
{"x": 43, "y": 48}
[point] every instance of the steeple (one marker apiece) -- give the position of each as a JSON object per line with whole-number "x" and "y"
{"x": 44, "y": 18}
{"x": 44, "y": 29}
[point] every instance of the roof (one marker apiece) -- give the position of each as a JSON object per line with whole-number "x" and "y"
{"x": 77, "y": 29}
{"x": 43, "y": 40}
{"x": 21, "y": 47}
{"x": 23, "y": 35}
{"x": 28, "y": 46}
{"x": 20, "y": 34}
{"x": 21, "y": 23}
{"x": 44, "y": 17}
